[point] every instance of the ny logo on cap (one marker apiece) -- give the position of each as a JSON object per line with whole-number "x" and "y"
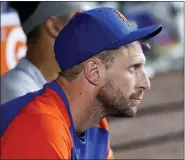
{"x": 122, "y": 17}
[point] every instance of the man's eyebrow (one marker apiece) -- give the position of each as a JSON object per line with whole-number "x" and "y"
{"x": 141, "y": 61}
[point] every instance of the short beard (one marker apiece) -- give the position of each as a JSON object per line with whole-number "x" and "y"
{"x": 113, "y": 102}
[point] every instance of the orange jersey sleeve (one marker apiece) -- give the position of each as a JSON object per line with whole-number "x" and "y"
{"x": 41, "y": 132}
{"x": 48, "y": 142}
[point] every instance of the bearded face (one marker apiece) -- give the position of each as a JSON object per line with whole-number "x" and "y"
{"x": 125, "y": 83}
{"x": 116, "y": 103}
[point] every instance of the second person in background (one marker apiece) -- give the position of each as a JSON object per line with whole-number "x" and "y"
{"x": 41, "y": 22}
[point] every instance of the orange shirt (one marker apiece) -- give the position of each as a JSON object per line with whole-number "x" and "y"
{"x": 43, "y": 129}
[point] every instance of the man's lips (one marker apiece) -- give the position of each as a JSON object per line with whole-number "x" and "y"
{"x": 136, "y": 101}
{"x": 139, "y": 99}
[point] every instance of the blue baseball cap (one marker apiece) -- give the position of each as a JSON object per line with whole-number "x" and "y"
{"x": 90, "y": 32}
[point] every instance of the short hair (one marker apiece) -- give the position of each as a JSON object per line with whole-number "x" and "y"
{"x": 106, "y": 57}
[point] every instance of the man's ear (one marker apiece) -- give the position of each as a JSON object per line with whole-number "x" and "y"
{"x": 53, "y": 26}
{"x": 94, "y": 71}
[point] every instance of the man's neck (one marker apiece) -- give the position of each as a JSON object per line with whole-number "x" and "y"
{"x": 85, "y": 112}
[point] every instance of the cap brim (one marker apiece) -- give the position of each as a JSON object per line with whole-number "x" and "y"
{"x": 143, "y": 33}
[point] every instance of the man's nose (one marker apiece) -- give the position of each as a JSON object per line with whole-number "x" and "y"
{"x": 144, "y": 82}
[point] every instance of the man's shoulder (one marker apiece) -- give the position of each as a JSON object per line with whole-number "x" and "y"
{"x": 41, "y": 104}
{"x": 40, "y": 124}
{"x": 47, "y": 111}
{"x": 47, "y": 102}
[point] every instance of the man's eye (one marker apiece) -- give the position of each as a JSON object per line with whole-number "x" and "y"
{"x": 132, "y": 69}
{"x": 135, "y": 67}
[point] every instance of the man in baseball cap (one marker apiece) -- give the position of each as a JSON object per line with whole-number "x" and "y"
{"x": 41, "y": 22}
{"x": 102, "y": 75}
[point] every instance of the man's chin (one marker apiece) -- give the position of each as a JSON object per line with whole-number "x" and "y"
{"x": 132, "y": 112}
{"x": 129, "y": 113}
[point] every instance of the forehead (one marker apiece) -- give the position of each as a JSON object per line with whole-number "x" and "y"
{"x": 131, "y": 53}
